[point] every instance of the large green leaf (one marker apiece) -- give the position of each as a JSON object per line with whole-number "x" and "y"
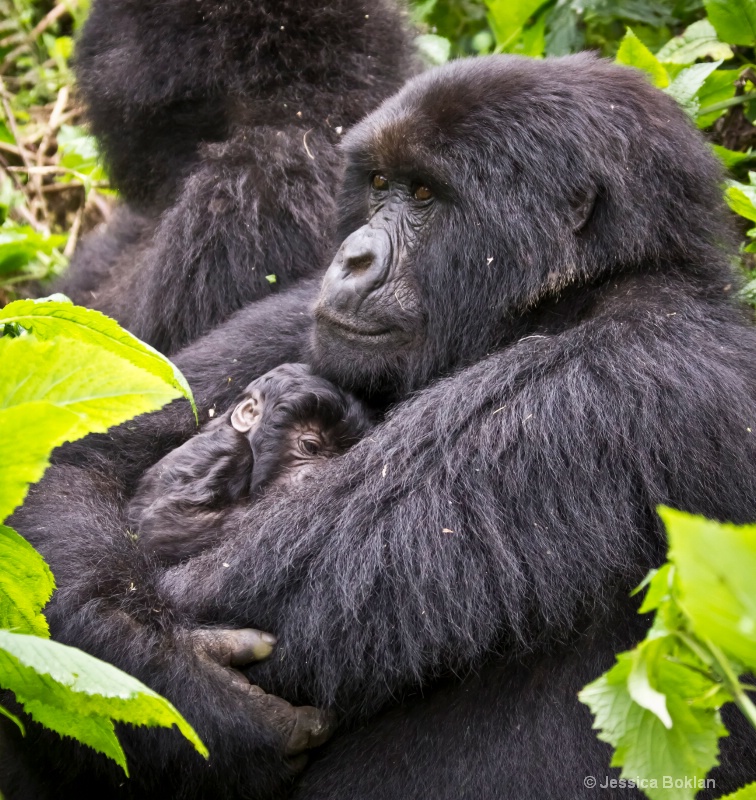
{"x": 698, "y": 40}
{"x": 672, "y": 735}
{"x": 746, "y": 793}
{"x": 48, "y": 320}
{"x": 633, "y": 53}
{"x": 77, "y": 695}
{"x": 507, "y": 18}
{"x": 734, "y": 20}
{"x": 687, "y": 83}
{"x": 59, "y": 390}
{"x": 715, "y": 565}
{"x": 28, "y": 434}
{"x": 26, "y": 584}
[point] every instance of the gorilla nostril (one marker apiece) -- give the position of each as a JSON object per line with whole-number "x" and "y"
{"x": 361, "y": 263}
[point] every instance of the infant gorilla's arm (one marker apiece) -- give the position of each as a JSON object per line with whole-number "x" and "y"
{"x": 180, "y": 503}
{"x": 284, "y": 424}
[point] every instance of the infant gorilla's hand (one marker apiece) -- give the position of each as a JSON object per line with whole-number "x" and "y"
{"x": 222, "y": 649}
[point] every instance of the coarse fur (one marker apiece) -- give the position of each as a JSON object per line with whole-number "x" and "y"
{"x": 450, "y": 583}
{"x": 281, "y": 430}
{"x": 218, "y": 122}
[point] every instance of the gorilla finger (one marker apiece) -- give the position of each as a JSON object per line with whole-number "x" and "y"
{"x": 312, "y": 727}
{"x": 233, "y": 647}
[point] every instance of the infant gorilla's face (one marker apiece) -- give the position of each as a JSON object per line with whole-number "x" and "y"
{"x": 302, "y": 444}
{"x": 293, "y": 421}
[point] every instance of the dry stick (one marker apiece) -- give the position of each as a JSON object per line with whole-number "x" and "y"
{"x": 73, "y": 234}
{"x": 40, "y": 204}
{"x": 52, "y": 124}
{"x": 57, "y": 12}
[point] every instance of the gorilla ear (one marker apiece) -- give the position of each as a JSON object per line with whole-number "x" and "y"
{"x": 247, "y": 414}
{"x": 581, "y": 208}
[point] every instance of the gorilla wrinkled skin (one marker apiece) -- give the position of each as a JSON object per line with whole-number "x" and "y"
{"x": 218, "y": 122}
{"x": 534, "y": 281}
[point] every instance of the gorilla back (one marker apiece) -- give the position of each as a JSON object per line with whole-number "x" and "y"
{"x": 218, "y": 122}
{"x": 535, "y": 270}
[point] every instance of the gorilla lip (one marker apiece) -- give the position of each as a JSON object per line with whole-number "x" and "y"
{"x": 326, "y": 319}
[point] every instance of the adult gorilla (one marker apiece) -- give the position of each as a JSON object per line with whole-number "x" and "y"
{"x": 541, "y": 291}
{"x": 219, "y": 121}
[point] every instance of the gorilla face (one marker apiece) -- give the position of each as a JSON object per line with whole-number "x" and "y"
{"x": 487, "y": 191}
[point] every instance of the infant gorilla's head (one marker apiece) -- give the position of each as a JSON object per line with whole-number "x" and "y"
{"x": 293, "y": 420}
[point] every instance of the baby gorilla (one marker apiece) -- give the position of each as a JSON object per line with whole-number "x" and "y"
{"x": 286, "y": 423}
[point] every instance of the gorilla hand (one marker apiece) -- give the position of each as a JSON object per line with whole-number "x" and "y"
{"x": 222, "y": 649}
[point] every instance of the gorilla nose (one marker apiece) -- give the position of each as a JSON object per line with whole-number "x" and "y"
{"x": 361, "y": 266}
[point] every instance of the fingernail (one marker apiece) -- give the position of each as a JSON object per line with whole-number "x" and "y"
{"x": 262, "y": 650}
{"x": 269, "y": 638}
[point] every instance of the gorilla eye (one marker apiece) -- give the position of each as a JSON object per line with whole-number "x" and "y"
{"x": 422, "y": 193}
{"x": 309, "y": 447}
{"x": 379, "y": 182}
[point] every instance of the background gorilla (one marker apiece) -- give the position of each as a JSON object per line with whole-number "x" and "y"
{"x": 284, "y": 426}
{"x": 540, "y": 289}
{"x": 218, "y": 122}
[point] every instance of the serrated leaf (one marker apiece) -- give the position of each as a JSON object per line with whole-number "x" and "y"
{"x": 642, "y": 692}
{"x": 698, "y": 40}
{"x": 92, "y": 730}
{"x": 739, "y": 201}
{"x": 644, "y": 747}
{"x": 633, "y": 53}
{"x": 714, "y": 568}
{"x": 28, "y": 434}
{"x": 686, "y": 85}
{"x": 718, "y": 87}
{"x": 50, "y": 319}
{"x": 53, "y": 681}
{"x": 733, "y": 20}
{"x": 507, "y": 19}
{"x": 26, "y": 585}
{"x": 60, "y": 390}
{"x": 14, "y": 719}
{"x": 658, "y": 585}
{"x": 731, "y": 158}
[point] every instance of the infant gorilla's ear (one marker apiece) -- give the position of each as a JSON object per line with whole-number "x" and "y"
{"x": 247, "y": 413}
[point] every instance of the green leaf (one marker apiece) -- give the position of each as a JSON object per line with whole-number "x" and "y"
{"x": 633, "y": 53}
{"x": 21, "y": 245}
{"x": 53, "y": 391}
{"x": 28, "y": 434}
{"x": 645, "y": 748}
{"x": 734, "y": 20}
{"x": 684, "y": 88}
{"x": 48, "y": 319}
{"x": 698, "y": 40}
{"x": 718, "y": 87}
{"x": 507, "y": 19}
{"x": 739, "y": 200}
{"x": 14, "y": 719}
{"x": 26, "y": 585}
{"x": 78, "y": 695}
{"x": 715, "y": 564}
{"x": 731, "y": 158}
{"x": 659, "y": 583}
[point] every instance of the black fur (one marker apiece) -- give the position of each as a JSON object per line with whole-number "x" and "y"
{"x": 218, "y": 122}
{"x": 451, "y": 582}
{"x": 182, "y": 502}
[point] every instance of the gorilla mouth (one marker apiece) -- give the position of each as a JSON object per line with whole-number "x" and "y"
{"x": 349, "y": 330}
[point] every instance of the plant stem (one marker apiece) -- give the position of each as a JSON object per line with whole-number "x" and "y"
{"x": 732, "y": 101}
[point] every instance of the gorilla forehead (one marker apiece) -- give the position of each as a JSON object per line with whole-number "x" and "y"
{"x": 501, "y": 104}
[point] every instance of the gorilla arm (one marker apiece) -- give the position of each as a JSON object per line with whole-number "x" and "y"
{"x": 492, "y": 512}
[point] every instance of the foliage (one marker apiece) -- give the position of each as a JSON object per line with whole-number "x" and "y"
{"x": 659, "y": 705}
{"x": 52, "y": 186}
{"x": 65, "y": 372}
